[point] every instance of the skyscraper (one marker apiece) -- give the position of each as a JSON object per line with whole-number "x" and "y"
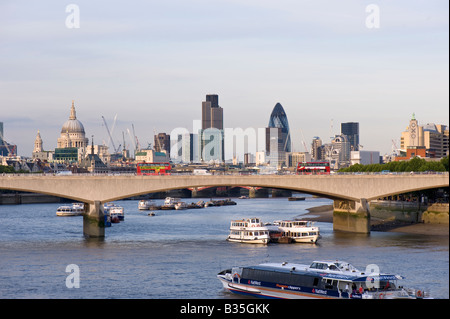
{"x": 6, "y": 148}
{"x": 162, "y": 143}
{"x": 212, "y": 113}
{"x": 211, "y": 139}
{"x": 278, "y": 136}
{"x": 351, "y": 130}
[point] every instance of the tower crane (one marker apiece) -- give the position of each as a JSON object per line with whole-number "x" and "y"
{"x": 395, "y": 149}
{"x": 137, "y": 145}
{"x": 303, "y": 141}
{"x": 10, "y": 153}
{"x": 157, "y": 139}
{"x": 109, "y": 133}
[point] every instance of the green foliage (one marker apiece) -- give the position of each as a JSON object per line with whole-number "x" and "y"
{"x": 6, "y": 169}
{"x": 416, "y": 164}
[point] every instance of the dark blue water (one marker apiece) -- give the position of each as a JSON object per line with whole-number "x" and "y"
{"x": 177, "y": 254}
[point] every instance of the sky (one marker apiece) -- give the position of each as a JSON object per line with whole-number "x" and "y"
{"x": 149, "y": 64}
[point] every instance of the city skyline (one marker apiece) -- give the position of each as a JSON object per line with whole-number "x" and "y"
{"x": 152, "y": 64}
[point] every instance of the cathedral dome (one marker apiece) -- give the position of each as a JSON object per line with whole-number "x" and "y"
{"x": 72, "y": 132}
{"x": 72, "y": 125}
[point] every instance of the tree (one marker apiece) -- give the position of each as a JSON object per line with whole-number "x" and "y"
{"x": 6, "y": 169}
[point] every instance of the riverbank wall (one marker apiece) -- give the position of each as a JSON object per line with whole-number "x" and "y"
{"x": 409, "y": 212}
{"x": 30, "y": 198}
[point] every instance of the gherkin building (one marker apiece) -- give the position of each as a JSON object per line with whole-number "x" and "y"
{"x": 279, "y": 119}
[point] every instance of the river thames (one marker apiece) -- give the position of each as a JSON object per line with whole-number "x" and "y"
{"x": 177, "y": 254}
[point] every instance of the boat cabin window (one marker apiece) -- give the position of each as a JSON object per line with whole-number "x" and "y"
{"x": 316, "y": 282}
{"x": 333, "y": 267}
{"x": 319, "y": 266}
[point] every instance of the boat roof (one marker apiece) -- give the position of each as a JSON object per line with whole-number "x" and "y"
{"x": 302, "y": 269}
{"x": 246, "y": 219}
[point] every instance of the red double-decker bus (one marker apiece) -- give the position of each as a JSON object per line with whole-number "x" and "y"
{"x": 313, "y": 168}
{"x": 153, "y": 168}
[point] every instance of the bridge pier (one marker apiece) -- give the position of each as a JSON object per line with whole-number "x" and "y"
{"x": 351, "y": 216}
{"x": 281, "y": 192}
{"x": 255, "y": 192}
{"x": 94, "y": 220}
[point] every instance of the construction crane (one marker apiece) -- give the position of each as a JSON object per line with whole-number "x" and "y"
{"x": 109, "y": 133}
{"x": 303, "y": 141}
{"x": 395, "y": 149}
{"x": 157, "y": 139}
{"x": 137, "y": 145}
{"x": 10, "y": 153}
{"x": 132, "y": 138}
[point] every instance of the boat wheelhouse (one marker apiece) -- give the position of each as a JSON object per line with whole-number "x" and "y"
{"x": 320, "y": 279}
{"x": 249, "y": 231}
{"x": 298, "y": 231}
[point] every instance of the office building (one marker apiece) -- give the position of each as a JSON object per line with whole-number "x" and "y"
{"x": 351, "y": 130}
{"x": 6, "y": 149}
{"x": 185, "y": 151}
{"x": 278, "y": 139}
{"x": 211, "y": 138}
{"x": 433, "y": 138}
{"x": 364, "y": 157}
{"x": 317, "y": 152}
{"x": 162, "y": 143}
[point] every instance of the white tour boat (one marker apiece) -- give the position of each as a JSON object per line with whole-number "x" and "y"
{"x": 250, "y": 231}
{"x": 320, "y": 279}
{"x": 77, "y": 209}
{"x": 299, "y": 231}
{"x": 169, "y": 202}
{"x": 115, "y": 211}
{"x": 181, "y": 205}
{"x": 145, "y": 204}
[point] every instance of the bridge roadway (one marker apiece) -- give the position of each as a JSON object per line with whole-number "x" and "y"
{"x": 95, "y": 190}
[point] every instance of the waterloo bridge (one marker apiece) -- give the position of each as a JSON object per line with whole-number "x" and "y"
{"x": 351, "y": 193}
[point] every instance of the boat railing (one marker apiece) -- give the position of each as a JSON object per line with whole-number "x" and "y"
{"x": 417, "y": 293}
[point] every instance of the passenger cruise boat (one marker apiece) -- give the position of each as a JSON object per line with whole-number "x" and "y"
{"x": 320, "y": 279}
{"x": 76, "y": 209}
{"x": 298, "y": 231}
{"x": 250, "y": 231}
{"x": 181, "y": 206}
{"x": 169, "y": 202}
{"x": 116, "y": 212}
{"x": 146, "y": 204}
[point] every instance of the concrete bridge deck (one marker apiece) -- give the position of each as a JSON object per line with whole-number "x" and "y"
{"x": 352, "y": 192}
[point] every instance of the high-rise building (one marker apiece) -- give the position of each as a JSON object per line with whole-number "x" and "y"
{"x": 212, "y": 113}
{"x": 351, "y": 130}
{"x": 6, "y": 149}
{"x": 162, "y": 143}
{"x": 434, "y": 138}
{"x": 317, "y": 149}
{"x": 211, "y": 139}
{"x": 278, "y": 138}
{"x": 185, "y": 151}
